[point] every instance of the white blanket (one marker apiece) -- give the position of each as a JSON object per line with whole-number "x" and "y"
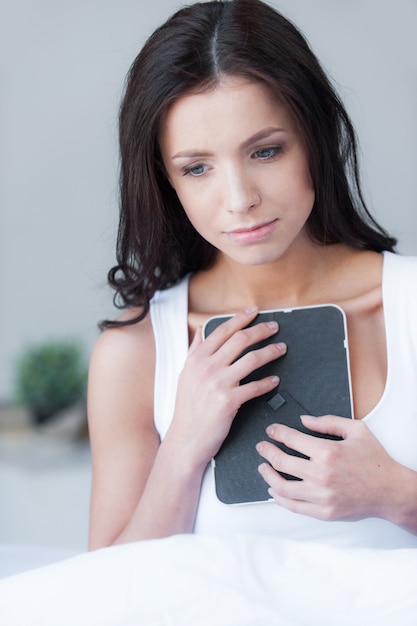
{"x": 190, "y": 580}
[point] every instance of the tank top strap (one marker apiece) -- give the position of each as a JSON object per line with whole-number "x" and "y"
{"x": 169, "y": 318}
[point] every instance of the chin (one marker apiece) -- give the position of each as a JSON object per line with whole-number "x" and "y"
{"x": 257, "y": 259}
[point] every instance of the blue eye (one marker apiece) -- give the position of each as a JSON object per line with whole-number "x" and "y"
{"x": 195, "y": 170}
{"x": 267, "y": 153}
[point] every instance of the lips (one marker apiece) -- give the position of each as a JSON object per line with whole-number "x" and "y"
{"x": 253, "y": 234}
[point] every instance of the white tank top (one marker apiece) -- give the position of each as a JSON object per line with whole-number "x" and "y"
{"x": 393, "y": 421}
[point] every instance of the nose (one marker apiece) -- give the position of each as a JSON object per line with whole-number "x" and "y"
{"x": 241, "y": 192}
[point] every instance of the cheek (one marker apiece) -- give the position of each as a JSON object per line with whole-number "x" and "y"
{"x": 197, "y": 213}
{"x": 308, "y": 185}
{"x": 196, "y": 204}
{"x": 309, "y": 196}
{"x": 295, "y": 193}
{"x": 303, "y": 188}
{"x": 184, "y": 198}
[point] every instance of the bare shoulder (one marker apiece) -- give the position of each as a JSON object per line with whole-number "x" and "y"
{"x": 123, "y": 437}
{"x": 121, "y": 376}
{"x": 124, "y": 346}
{"x": 364, "y": 270}
{"x": 356, "y": 279}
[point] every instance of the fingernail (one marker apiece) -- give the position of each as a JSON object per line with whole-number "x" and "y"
{"x": 272, "y": 325}
{"x": 259, "y": 447}
{"x": 261, "y": 469}
{"x": 251, "y": 309}
{"x": 307, "y": 417}
{"x": 270, "y": 431}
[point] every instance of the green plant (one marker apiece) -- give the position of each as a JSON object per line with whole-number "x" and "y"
{"x": 51, "y": 377}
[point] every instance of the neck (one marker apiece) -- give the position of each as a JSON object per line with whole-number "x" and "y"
{"x": 294, "y": 280}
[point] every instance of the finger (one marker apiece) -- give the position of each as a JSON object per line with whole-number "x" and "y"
{"x": 254, "y": 359}
{"x": 233, "y": 338}
{"x": 275, "y": 481}
{"x": 255, "y": 388}
{"x": 309, "y": 445}
{"x": 245, "y": 340}
{"x": 226, "y": 329}
{"x": 329, "y": 425}
{"x": 302, "y": 507}
{"x": 296, "y": 496}
{"x": 280, "y": 461}
{"x": 280, "y": 487}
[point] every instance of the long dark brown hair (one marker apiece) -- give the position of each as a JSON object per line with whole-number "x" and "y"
{"x": 156, "y": 244}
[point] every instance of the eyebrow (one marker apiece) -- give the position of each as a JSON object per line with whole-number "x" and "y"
{"x": 262, "y": 134}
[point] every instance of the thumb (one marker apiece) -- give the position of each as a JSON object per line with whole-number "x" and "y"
{"x": 328, "y": 425}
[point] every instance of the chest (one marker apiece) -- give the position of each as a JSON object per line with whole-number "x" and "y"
{"x": 367, "y": 353}
{"x": 367, "y": 357}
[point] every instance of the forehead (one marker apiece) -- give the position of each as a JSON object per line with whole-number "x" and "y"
{"x": 234, "y": 103}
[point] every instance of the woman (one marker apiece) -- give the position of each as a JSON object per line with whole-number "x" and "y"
{"x": 240, "y": 192}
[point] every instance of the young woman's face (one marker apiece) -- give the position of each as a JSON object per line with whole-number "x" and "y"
{"x": 240, "y": 170}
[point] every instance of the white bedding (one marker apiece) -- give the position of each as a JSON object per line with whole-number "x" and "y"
{"x": 191, "y": 580}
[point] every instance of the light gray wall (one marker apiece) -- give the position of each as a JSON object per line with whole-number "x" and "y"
{"x": 62, "y": 66}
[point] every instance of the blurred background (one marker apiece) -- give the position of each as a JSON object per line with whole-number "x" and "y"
{"x": 62, "y": 70}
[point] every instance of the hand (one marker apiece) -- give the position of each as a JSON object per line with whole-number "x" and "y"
{"x": 341, "y": 480}
{"x": 209, "y": 390}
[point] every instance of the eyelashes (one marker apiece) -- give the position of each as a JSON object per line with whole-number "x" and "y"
{"x": 195, "y": 170}
{"x": 263, "y": 154}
